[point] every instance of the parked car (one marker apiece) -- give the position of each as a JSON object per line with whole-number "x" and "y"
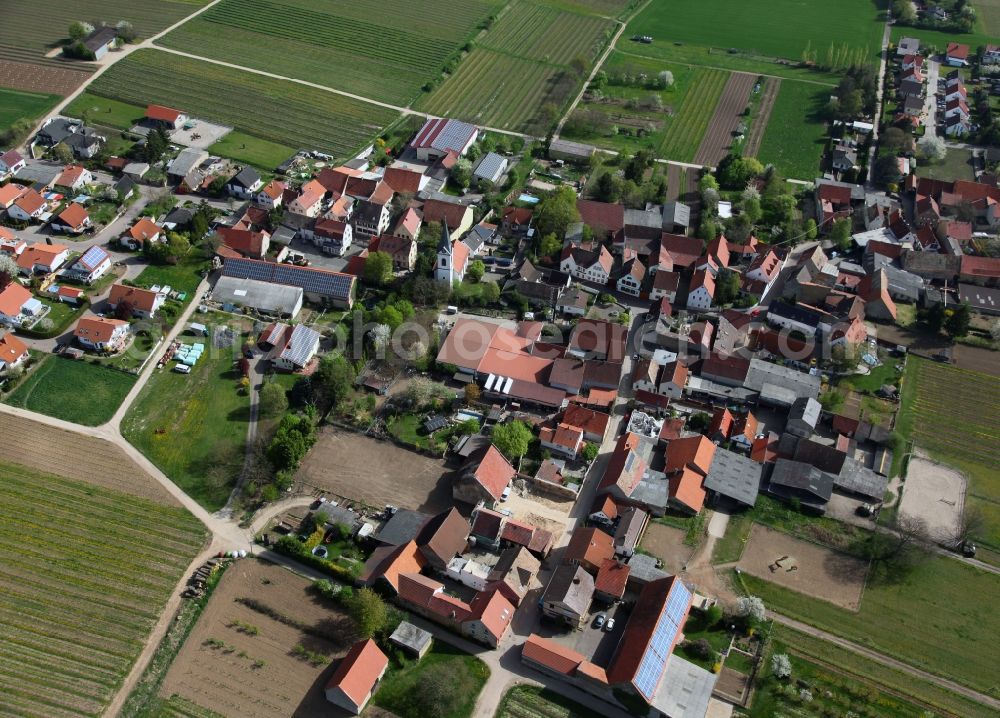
{"x": 182, "y": 369}
{"x": 609, "y": 625}
{"x": 599, "y": 621}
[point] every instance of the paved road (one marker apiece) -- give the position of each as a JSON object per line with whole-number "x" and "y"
{"x": 878, "y": 100}
{"x": 930, "y": 102}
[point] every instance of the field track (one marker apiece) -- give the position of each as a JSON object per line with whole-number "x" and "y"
{"x": 770, "y": 92}
{"x": 718, "y": 137}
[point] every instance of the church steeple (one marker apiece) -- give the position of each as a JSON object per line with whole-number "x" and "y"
{"x": 444, "y": 246}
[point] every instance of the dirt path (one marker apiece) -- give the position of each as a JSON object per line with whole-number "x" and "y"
{"x": 673, "y": 183}
{"x": 768, "y": 96}
{"x": 719, "y": 135}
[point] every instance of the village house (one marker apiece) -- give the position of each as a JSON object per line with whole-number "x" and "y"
{"x": 40, "y": 258}
{"x": 245, "y": 242}
{"x": 244, "y": 184}
{"x": 632, "y": 275}
{"x": 485, "y": 476}
{"x": 956, "y": 54}
{"x": 13, "y": 352}
{"x": 309, "y": 201}
{"x": 449, "y": 211}
{"x": 292, "y": 348}
{"x": 18, "y": 306}
{"x": 9, "y": 193}
{"x": 10, "y": 162}
{"x": 567, "y": 595}
{"x": 90, "y": 266}
{"x": 28, "y": 206}
{"x": 74, "y": 178}
{"x": 142, "y": 303}
{"x": 72, "y": 220}
{"x": 102, "y": 335}
{"x": 408, "y": 226}
{"x": 402, "y": 250}
{"x": 169, "y": 118}
{"x": 486, "y": 618}
{"x": 702, "y": 291}
{"x": 143, "y": 231}
{"x": 592, "y": 266}
{"x": 271, "y": 195}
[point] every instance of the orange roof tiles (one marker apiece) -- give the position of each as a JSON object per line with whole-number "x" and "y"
{"x": 494, "y": 472}
{"x": 162, "y": 114}
{"x": 145, "y": 229}
{"x": 74, "y": 215}
{"x": 695, "y": 452}
{"x": 552, "y": 655}
{"x": 686, "y": 487}
{"x": 97, "y": 329}
{"x": 12, "y": 298}
{"x": 612, "y": 578}
{"x": 359, "y": 670}
{"x": 142, "y": 299}
{"x": 11, "y": 348}
{"x": 589, "y": 545}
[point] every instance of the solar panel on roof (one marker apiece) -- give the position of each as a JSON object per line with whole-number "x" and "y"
{"x": 507, "y": 385}
{"x": 300, "y": 345}
{"x": 489, "y": 382}
{"x": 668, "y": 626}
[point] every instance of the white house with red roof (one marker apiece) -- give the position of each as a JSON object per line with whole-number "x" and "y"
{"x": 28, "y": 206}
{"x": 593, "y": 266}
{"x": 354, "y": 682}
{"x": 101, "y": 334}
{"x": 90, "y": 266}
{"x": 957, "y": 54}
{"x": 144, "y": 230}
{"x": 310, "y": 199}
{"x": 10, "y": 162}
{"x": 72, "y": 220}
{"x": 165, "y": 116}
{"x": 270, "y": 195}
{"x": 74, "y": 177}
{"x": 13, "y": 353}
{"x": 10, "y": 193}
{"x": 42, "y": 258}
{"x": 18, "y": 305}
{"x": 702, "y": 290}
{"x": 441, "y": 136}
{"x": 144, "y": 302}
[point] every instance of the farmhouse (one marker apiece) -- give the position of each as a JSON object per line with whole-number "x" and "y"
{"x": 165, "y": 117}
{"x": 271, "y": 195}
{"x": 294, "y": 347}
{"x": 353, "y": 683}
{"x": 91, "y": 266}
{"x": 439, "y": 137}
{"x": 143, "y": 303}
{"x": 102, "y": 335}
{"x": 244, "y": 183}
{"x": 100, "y": 41}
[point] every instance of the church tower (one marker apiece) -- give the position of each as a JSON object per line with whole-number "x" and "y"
{"x": 444, "y": 270}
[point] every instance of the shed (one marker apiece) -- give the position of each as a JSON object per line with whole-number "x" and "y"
{"x": 413, "y": 640}
{"x": 198, "y": 329}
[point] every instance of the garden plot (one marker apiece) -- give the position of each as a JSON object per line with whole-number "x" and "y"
{"x": 241, "y": 660}
{"x": 804, "y": 567}
{"x": 719, "y": 135}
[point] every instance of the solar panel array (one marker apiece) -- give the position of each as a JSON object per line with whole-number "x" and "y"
{"x": 92, "y": 258}
{"x": 330, "y": 284}
{"x": 300, "y": 345}
{"x": 453, "y": 136}
{"x": 670, "y": 623}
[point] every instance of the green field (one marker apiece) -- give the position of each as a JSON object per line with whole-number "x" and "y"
{"x": 860, "y": 671}
{"x": 76, "y": 391}
{"x": 933, "y": 39}
{"x": 519, "y": 75}
{"x": 795, "y": 136}
{"x": 16, "y": 105}
{"x": 989, "y": 16}
{"x": 85, "y": 573}
{"x": 382, "y": 49}
{"x": 760, "y": 28}
{"x": 957, "y": 164}
{"x": 30, "y": 29}
{"x": 535, "y": 702}
{"x": 953, "y": 413}
{"x": 683, "y": 136}
{"x": 183, "y": 277}
{"x": 604, "y": 8}
{"x": 275, "y": 110}
{"x": 194, "y": 426}
{"x": 246, "y": 148}
{"x": 832, "y": 691}
{"x": 938, "y": 618}
{"x": 105, "y": 111}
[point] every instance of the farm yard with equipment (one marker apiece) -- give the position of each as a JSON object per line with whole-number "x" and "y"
{"x": 322, "y": 42}
{"x": 271, "y": 109}
{"x": 86, "y": 572}
{"x": 79, "y": 391}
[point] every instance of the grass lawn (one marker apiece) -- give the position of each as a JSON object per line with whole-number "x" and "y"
{"x": 957, "y": 164}
{"x": 16, "y": 105}
{"x": 935, "y": 618}
{"x": 404, "y": 691}
{"x": 261, "y": 153}
{"x": 61, "y": 315}
{"x": 878, "y": 377}
{"x": 795, "y": 136}
{"x": 831, "y": 692}
{"x": 953, "y": 414}
{"x": 939, "y": 40}
{"x": 729, "y": 548}
{"x": 105, "y": 111}
{"x": 694, "y": 630}
{"x": 76, "y": 391}
{"x": 867, "y": 672}
{"x": 194, "y": 426}
{"x": 535, "y": 702}
{"x": 182, "y": 277}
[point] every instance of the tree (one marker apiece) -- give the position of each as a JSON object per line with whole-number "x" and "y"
{"x": 556, "y": 212}
{"x": 699, "y": 421}
{"x": 665, "y": 78}
{"x": 472, "y": 393}
{"x": 712, "y": 616}
{"x": 590, "y": 451}
{"x": 476, "y": 270}
{"x": 125, "y": 31}
{"x": 781, "y": 665}
{"x": 157, "y": 142}
{"x": 811, "y": 231}
{"x": 549, "y": 246}
{"x": 751, "y": 608}
{"x": 378, "y": 268}
{"x": 370, "y": 614}
{"x": 62, "y": 153}
{"x": 295, "y": 436}
{"x": 752, "y": 209}
{"x": 273, "y": 400}
{"x": 178, "y": 245}
{"x": 490, "y": 293}
{"x": 886, "y": 171}
{"x": 8, "y": 269}
{"x": 701, "y": 649}
{"x": 124, "y": 309}
{"x": 734, "y": 171}
{"x": 935, "y": 317}
{"x": 199, "y": 224}
{"x": 461, "y": 173}
{"x": 707, "y": 181}
{"x": 608, "y": 188}
{"x": 332, "y": 380}
{"x": 512, "y": 439}
{"x": 79, "y": 30}
{"x": 840, "y": 234}
{"x": 443, "y": 688}
{"x": 380, "y": 334}
{"x": 895, "y": 140}
{"x": 931, "y": 148}
{"x": 957, "y": 324}
{"x": 727, "y": 287}
{"x": 637, "y": 164}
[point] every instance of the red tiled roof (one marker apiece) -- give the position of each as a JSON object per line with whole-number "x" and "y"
{"x": 957, "y": 50}
{"x": 589, "y": 545}
{"x": 592, "y": 422}
{"x": 722, "y": 422}
{"x": 429, "y": 595}
{"x": 606, "y": 505}
{"x": 243, "y": 241}
{"x": 730, "y": 367}
{"x": 11, "y": 348}
{"x": 695, "y": 452}
{"x": 144, "y": 229}
{"x": 493, "y": 610}
{"x": 686, "y": 488}
{"x": 389, "y": 562}
{"x": 70, "y": 175}
{"x": 598, "y": 215}
{"x": 12, "y": 298}
{"x": 436, "y": 210}
{"x": 273, "y": 189}
{"x": 30, "y": 201}
{"x": 672, "y": 429}
{"x": 142, "y": 299}
{"x": 162, "y": 114}
{"x": 38, "y": 253}
{"x": 678, "y": 250}
{"x": 517, "y": 532}
{"x": 74, "y": 215}
{"x": 494, "y": 472}
{"x": 97, "y": 329}
{"x": 980, "y": 266}
{"x": 488, "y": 523}
{"x": 616, "y": 473}
{"x": 402, "y": 179}
{"x": 612, "y": 578}
{"x": 359, "y": 670}
{"x": 765, "y": 449}
{"x": 552, "y": 655}
{"x": 701, "y": 279}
